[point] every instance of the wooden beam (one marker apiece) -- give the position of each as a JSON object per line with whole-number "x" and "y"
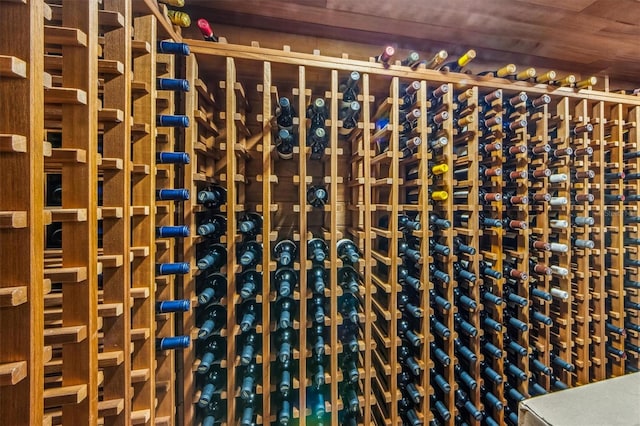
{"x": 13, "y": 296}
{"x": 55, "y": 397}
{"x": 10, "y": 66}
{"x": 62, "y": 335}
{"x": 13, "y": 220}
{"x": 64, "y": 36}
{"x": 13, "y": 143}
{"x": 12, "y": 373}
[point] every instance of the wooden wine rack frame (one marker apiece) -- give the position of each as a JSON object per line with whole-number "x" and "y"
{"x": 96, "y": 345}
{"x": 377, "y": 185}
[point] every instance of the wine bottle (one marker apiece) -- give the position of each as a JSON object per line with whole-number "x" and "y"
{"x": 439, "y": 381}
{"x": 436, "y": 60}
{"x": 347, "y": 251}
{"x": 248, "y": 382}
{"x": 172, "y": 268}
{"x": 442, "y": 303}
{"x": 406, "y": 306}
{"x": 248, "y": 348}
{"x": 212, "y": 287}
{"x": 408, "y": 387}
{"x": 248, "y": 315}
{"x": 175, "y": 342}
{"x": 285, "y": 413}
{"x": 487, "y": 296}
{"x": 249, "y": 283}
{"x": 439, "y": 274}
{"x": 175, "y": 84}
{"x": 212, "y": 197}
{"x": 348, "y": 335}
{"x": 490, "y": 374}
{"x": 350, "y": 369}
{"x": 317, "y": 279}
{"x": 285, "y": 114}
{"x": 408, "y": 96}
{"x": 464, "y": 326}
{"x": 515, "y": 299}
{"x": 436, "y": 222}
{"x": 348, "y": 307}
{"x": 173, "y": 48}
{"x": 317, "y": 371}
{"x": 458, "y": 65}
{"x": 490, "y": 400}
{"x": 210, "y": 320}
{"x": 211, "y": 383}
{"x": 464, "y": 301}
{"x": 514, "y": 224}
{"x": 210, "y": 351}
{"x": 317, "y": 196}
{"x": 510, "y": 271}
{"x": 541, "y": 294}
{"x": 317, "y": 309}
{"x": 412, "y": 60}
{"x": 405, "y": 250}
{"x": 285, "y": 141}
{"x": 486, "y": 269}
{"x": 316, "y": 340}
{"x": 285, "y": 252}
{"x": 463, "y": 401}
{"x": 408, "y": 361}
{"x": 214, "y": 413}
{"x": 285, "y": 281}
{"x": 249, "y": 254}
{"x": 405, "y": 331}
{"x": 490, "y": 323}
{"x": 285, "y": 341}
{"x": 317, "y": 404}
{"x": 284, "y": 312}
{"x": 435, "y": 247}
{"x": 460, "y": 247}
{"x": 349, "y": 87}
{"x": 515, "y": 322}
{"x": 349, "y": 279}
{"x": 464, "y": 352}
{"x": 250, "y": 224}
{"x": 505, "y": 71}
{"x": 512, "y": 370}
{"x": 180, "y": 231}
{"x": 465, "y": 378}
{"x": 440, "y": 355}
{"x": 317, "y": 250}
{"x": 439, "y": 408}
{"x": 172, "y": 121}
{"x": 215, "y": 257}
{"x": 206, "y": 30}
{"x": 171, "y": 306}
{"x": 212, "y": 226}
{"x": 179, "y": 194}
{"x": 490, "y": 349}
{"x": 535, "y": 388}
{"x": 461, "y": 272}
{"x": 349, "y": 117}
{"x": 385, "y": 56}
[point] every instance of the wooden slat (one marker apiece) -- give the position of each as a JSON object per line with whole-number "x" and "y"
{"x": 111, "y": 115}
{"x": 13, "y": 296}
{"x": 64, "y": 36}
{"x": 13, "y": 143}
{"x": 67, "y": 215}
{"x": 13, "y": 220}
{"x": 111, "y": 407}
{"x": 55, "y": 397}
{"x": 141, "y": 375}
{"x": 62, "y": 335}
{"x": 10, "y": 66}
{"x": 140, "y": 417}
{"x": 110, "y": 19}
{"x": 66, "y": 275}
{"x": 111, "y": 67}
{"x": 110, "y": 359}
{"x": 12, "y": 373}
{"x": 62, "y": 95}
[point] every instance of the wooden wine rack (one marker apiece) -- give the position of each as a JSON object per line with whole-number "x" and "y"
{"x": 90, "y": 304}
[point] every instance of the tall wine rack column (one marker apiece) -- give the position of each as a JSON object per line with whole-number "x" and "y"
{"x": 603, "y": 143}
{"x": 612, "y": 346}
{"x": 143, "y": 224}
{"x": 423, "y": 210}
{"x": 560, "y": 263}
{"x": 539, "y": 217}
{"x": 76, "y": 159}
{"x": 165, "y": 176}
{"x": 231, "y": 208}
{"x": 516, "y": 258}
{"x": 580, "y": 258}
{"x": 384, "y": 181}
{"x": 115, "y": 116}
{"x": 301, "y": 235}
{"x": 632, "y": 320}
{"x": 21, "y": 210}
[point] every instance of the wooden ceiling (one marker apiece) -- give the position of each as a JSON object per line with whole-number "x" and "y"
{"x": 599, "y": 37}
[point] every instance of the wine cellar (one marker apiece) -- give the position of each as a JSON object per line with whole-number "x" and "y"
{"x": 201, "y": 232}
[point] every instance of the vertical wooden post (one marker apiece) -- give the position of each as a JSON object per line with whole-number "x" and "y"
{"x": 117, "y": 228}
{"x": 80, "y": 131}
{"x": 22, "y": 198}
{"x": 143, "y": 225}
